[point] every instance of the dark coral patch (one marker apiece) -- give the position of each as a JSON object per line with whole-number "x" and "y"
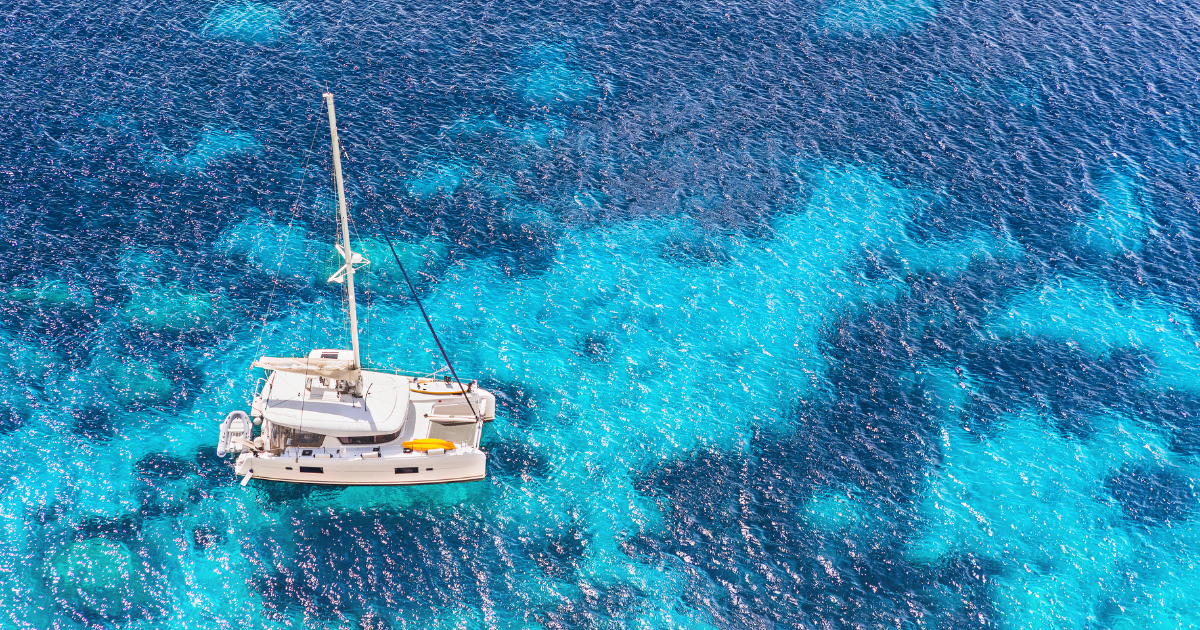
{"x": 1067, "y": 384}
{"x": 94, "y": 423}
{"x": 12, "y": 418}
{"x": 695, "y": 252}
{"x": 518, "y": 403}
{"x": 557, "y": 552}
{"x": 515, "y": 459}
{"x": 126, "y": 527}
{"x": 205, "y": 536}
{"x": 1153, "y": 495}
{"x": 159, "y": 466}
{"x": 736, "y": 531}
{"x": 1178, "y": 413}
{"x": 596, "y": 346}
{"x": 214, "y": 471}
{"x": 338, "y": 563}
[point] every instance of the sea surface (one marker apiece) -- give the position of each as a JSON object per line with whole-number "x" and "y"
{"x": 811, "y": 314}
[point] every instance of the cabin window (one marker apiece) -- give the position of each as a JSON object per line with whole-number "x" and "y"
{"x": 369, "y": 439}
{"x": 283, "y": 437}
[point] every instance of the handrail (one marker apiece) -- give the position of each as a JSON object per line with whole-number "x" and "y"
{"x": 387, "y": 370}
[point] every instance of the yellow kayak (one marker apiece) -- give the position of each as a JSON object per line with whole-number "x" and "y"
{"x": 435, "y": 388}
{"x": 425, "y": 444}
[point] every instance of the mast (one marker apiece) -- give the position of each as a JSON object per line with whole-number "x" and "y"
{"x": 346, "y": 252}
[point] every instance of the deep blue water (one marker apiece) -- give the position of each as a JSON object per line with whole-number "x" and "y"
{"x": 824, "y": 314}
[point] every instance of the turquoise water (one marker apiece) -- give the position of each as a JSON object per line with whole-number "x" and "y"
{"x": 829, "y": 314}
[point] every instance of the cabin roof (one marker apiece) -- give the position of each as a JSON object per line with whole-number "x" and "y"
{"x": 308, "y": 403}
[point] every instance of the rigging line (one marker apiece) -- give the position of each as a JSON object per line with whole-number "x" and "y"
{"x": 368, "y": 286}
{"x": 343, "y": 293}
{"x": 354, "y": 229}
{"x": 307, "y": 157}
{"x": 368, "y": 293}
{"x": 412, "y": 290}
{"x": 288, "y": 235}
{"x": 300, "y": 426}
{"x": 311, "y": 331}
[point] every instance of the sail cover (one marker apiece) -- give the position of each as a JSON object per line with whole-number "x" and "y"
{"x": 338, "y": 369}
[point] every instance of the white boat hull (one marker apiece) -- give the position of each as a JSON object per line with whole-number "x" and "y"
{"x": 401, "y": 469}
{"x": 400, "y": 431}
{"x": 328, "y": 419}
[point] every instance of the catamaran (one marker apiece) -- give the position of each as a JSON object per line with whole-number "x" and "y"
{"x": 326, "y": 419}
